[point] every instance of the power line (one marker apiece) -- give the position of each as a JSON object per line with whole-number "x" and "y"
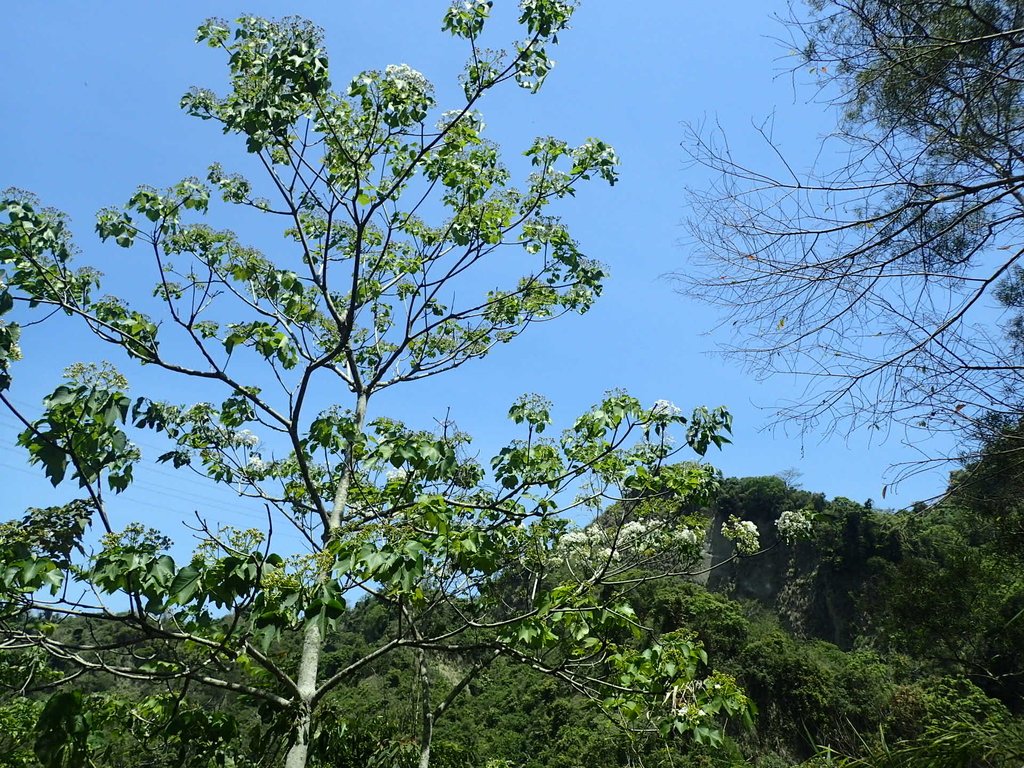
{"x": 166, "y": 489}
{"x": 177, "y": 495}
{"x": 199, "y": 498}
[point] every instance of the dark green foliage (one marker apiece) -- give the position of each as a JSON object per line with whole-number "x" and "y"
{"x": 376, "y": 743}
{"x": 18, "y": 721}
{"x": 717, "y": 621}
{"x": 956, "y": 604}
{"x": 765, "y": 496}
{"x": 931, "y": 674}
{"x": 529, "y": 720}
{"x": 811, "y": 693}
{"x": 62, "y": 732}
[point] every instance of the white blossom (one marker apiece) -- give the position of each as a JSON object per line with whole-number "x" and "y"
{"x": 686, "y": 538}
{"x": 663, "y": 410}
{"x": 634, "y": 540}
{"x": 447, "y": 118}
{"x": 743, "y": 533}
{"x": 472, "y": 118}
{"x": 399, "y": 475}
{"x": 633, "y": 533}
{"x": 245, "y": 438}
{"x": 793, "y": 526}
{"x": 403, "y": 76}
{"x": 574, "y": 540}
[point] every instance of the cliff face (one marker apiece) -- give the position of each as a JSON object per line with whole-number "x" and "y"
{"x": 815, "y": 587}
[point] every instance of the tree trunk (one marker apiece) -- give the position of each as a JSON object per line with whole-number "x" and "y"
{"x": 427, "y": 723}
{"x": 312, "y": 640}
{"x": 309, "y": 665}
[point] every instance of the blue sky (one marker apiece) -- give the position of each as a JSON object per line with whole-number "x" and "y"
{"x": 90, "y": 108}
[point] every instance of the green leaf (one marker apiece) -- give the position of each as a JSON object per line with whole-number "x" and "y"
{"x": 185, "y": 585}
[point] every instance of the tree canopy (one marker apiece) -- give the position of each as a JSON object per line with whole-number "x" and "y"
{"x": 408, "y": 252}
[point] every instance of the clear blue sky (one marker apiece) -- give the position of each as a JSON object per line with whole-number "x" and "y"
{"x": 90, "y": 111}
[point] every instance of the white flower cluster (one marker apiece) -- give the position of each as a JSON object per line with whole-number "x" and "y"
{"x": 794, "y": 526}
{"x": 743, "y": 534}
{"x": 635, "y": 534}
{"x": 244, "y": 439}
{"x": 573, "y": 541}
{"x": 604, "y": 153}
{"x": 663, "y": 410}
{"x": 255, "y": 468}
{"x": 637, "y": 539}
{"x": 686, "y": 538}
{"x": 447, "y": 118}
{"x": 403, "y": 77}
{"x": 472, "y": 118}
{"x": 584, "y": 545}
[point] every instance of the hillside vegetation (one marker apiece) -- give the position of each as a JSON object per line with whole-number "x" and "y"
{"x": 887, "y": 639}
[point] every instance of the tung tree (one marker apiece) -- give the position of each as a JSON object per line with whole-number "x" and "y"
{"x": 392, "y": 211}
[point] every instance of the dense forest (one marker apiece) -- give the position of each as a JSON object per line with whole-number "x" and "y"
{"x": 592, "y": 592}
{"x": 886, "y": 639}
